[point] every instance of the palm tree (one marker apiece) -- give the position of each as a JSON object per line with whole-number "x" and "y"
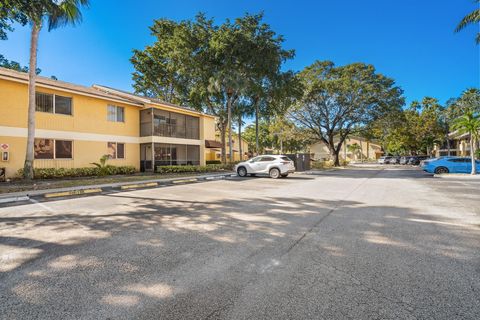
{"x": 355, "y": 149}
{"x": 471, "y": 18}
{"x": 469, "y": 123}
{"x": 55, "y": 14}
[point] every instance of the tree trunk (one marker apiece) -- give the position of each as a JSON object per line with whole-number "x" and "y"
{"x": 472, "y": 154}
{"x": 229, "y": 122}
{"x": 257, "y": 144}
{"x": 448, "y": 145}
{"x": 240, "y": 137}
{"x": 32, "y": 74}
{"x": 336, "y": 156}
{"x": 222, "y": 127}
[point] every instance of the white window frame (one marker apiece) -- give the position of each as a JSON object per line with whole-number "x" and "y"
{"x": 54, "y": 107}
{"x": 116, "y": 150}
{"x": 116, "y": 113}
{"x": 55, "y": 149}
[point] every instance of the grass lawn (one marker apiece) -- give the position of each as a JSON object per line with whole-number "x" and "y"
{"x": 22, "y": 185}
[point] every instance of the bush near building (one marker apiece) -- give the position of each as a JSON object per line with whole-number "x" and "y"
{"x": 55, "y": 173}
{"x": 194, "y": 169}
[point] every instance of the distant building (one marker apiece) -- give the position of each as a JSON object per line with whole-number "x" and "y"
{"x": 368, "y": 150}
{"x": 459, "y": 145}
{"x": 215, "y": 149}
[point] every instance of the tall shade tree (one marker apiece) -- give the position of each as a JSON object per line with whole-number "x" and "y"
{"x": 207, "y": 66}
{"x": 336, "y": 100}
{"x": 471, "y": 18}
{"x": 9, "y": 14}
{"x": 469, "y": 123}
{"x": 54, "y": 14}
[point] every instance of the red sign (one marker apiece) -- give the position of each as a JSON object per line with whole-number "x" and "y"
{"x": 4, "y": 146}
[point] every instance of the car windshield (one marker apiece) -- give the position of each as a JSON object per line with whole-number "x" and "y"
{"x": 255, "y": 159}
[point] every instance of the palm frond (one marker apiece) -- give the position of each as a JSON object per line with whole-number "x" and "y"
{"x": 65, "y": 12}
{"x": 470, "y": 18}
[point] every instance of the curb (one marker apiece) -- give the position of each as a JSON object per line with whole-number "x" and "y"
{"x": 465, "y": 176}
{"x": 63, "y": 193}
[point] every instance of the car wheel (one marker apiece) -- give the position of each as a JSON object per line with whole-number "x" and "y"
{"x": 242, "y": 172}
{"x": 284, "y": 175}
{"x": 274, "y": 173}
{"x": 441, "y": 170}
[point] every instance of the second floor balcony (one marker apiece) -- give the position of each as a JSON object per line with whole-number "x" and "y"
{"x": 155, "y": 122}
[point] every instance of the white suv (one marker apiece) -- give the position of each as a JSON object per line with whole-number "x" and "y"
{"x": 275, "y": 166}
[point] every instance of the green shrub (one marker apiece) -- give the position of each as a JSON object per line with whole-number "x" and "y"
{"x": 194, "y": 169}
{"x": 321, "y": 164}
{"x": 213, "y": 162}
{"x": 55, "y": 173}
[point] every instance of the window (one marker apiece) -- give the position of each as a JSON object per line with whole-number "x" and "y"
{"x": 116, "y": 114}
{"x": 63, "y": 105}
{"x": 63, "y": 149}
{"x": 116, "y": 150}
{"x": 267, "y": 159}
{"x": 44, "y": 149}
{"x": 52, "y": 103}
{"x": 53, "y": 149}
{"x": 44, "y": 102}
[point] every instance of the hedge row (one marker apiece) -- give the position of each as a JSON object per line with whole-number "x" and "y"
{"x": 195, "y": 169}
{"x": 213, "y": 162}
{"x": 52, "y": 173}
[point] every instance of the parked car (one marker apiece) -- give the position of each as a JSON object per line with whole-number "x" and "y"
{"x": 275, "y": 166}
{"x": 450, "y": 165}
{"x": 393, "y": 160}
{"x": 415, "y": 160}
{"x": 404, "y": 160}
{"x": 383, "y": 160}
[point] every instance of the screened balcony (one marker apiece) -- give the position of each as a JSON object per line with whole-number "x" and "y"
{"x": 155, "y": 122}
{"x": 153, "y": 155}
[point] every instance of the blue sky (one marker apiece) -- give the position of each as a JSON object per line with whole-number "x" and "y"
{"x": 411, "y": 41}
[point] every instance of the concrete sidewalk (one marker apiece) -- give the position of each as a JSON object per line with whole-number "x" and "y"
{"x": 9, "y": 198}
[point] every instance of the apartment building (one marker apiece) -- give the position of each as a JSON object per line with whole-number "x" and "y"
{"x": 76, "y": 125}
{"x": 368, "y": 150}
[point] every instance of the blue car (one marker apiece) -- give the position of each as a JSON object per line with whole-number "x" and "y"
{"x": 449, "y": 165}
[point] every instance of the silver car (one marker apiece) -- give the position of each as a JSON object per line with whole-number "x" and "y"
{"x": 275, "y": 166}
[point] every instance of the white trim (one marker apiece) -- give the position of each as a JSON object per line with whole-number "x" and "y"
{"x": 157, "y": 139}
{"x": 74, "y": 135}
{"x": 79, "y": 92}
{"x": 66, "y": 135}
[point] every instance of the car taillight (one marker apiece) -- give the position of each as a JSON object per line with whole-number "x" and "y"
{"x": 285, "y": 162}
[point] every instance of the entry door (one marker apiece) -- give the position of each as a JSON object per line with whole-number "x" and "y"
{"x": 146, "y": 157}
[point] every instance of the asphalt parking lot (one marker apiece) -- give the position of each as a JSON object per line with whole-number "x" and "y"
{"x": 361, "y": 243}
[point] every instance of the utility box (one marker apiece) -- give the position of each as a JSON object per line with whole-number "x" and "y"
{"x": 301, "y": 161}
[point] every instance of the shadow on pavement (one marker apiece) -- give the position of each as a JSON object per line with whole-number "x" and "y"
{"x": 177, "y": 258}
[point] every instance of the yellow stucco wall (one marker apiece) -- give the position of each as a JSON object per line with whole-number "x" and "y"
{"x": 369, "y": 150}
{"x": 215, "y": 154}
{"x": 87, "y": 127}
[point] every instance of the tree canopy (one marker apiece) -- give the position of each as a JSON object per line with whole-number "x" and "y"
{"x": 337, "y": 100}
{"x": 209, "y": 67}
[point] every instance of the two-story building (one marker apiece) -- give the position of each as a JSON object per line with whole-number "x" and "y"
{"x": 367, "y": 150}
{"x": 76, "y": 125}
